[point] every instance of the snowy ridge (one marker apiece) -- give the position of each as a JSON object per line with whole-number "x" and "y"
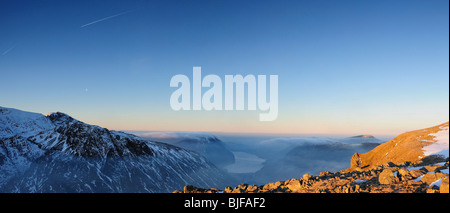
{"x": 57, "y": 153}
{"x": 441, "y": 146}
{"x": 14, "y": 122}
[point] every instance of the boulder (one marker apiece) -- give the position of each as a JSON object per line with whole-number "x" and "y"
{"x": 387, "y": 177}
{"x": 243, "y": 186}
{"x": 237, "y": 190}
{"x": 188, "y": 189}
{"x": 228, "y": 189}
{"x": 404, "y": 174}
{"x": 294, "y": 185}
{"x": 324, "y": 174}
{"x": 431, "y": 177}
{"x": 307, "y": 176}
{"x": 356, "y": 161}
{"x": 252, "y": 188}
{"x": 444, "y": 185}
{"x": 433, "y": 168}
{"x": 272, "y": 186}
{"x": 417, "y": 173}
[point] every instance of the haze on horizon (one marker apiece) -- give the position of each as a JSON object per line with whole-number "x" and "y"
{"x": 344, "y": 67}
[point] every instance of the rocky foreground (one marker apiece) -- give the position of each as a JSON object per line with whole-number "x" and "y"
{"x": 387, "y": 178}
{"x": 413, "y": 162}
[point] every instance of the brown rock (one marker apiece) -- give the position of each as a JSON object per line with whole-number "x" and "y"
{"x": 404, "y": 174}
{"x": 433, "y": 168}
{"x": 355, "y": 161}
{"x": 431, "y": 190}
{"x": 307, "y": 176}
{"x": 431, "y": 177}
{"x": 243, "y": 186}
{"x": 188, "y": 189}
{"x": 414, "y": 183}
{"x": 294, "y": 185}
{"x": 272, "y": 186}
{"x": 213, "y": 190}
{"x": 228, "y": 189}
{"x": 417, "y": 173}
{"x": 387, "y": 177}
{"x": 324, "y": 174}
{"x": 237, "y": 190}
{"x": 444, "y": 185}
{"x": 252, "y": 188}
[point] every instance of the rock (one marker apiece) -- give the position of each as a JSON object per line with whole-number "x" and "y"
{"x": 387, "y": 190}
{"x": 404, "y": 174}
{"x": 433, "y": 168}
{"x": 389, "y": 164}
{"x": 237, "y": 190}
{"x": 294, "y": 185}
{"x": 243, "y": 186}
{"x": 324, "y": 174}
{"x": 431, "y": 190}
{"x": 228, "y": 189}
{"x": 355, "y": 161}
{"x": 387, "y": 177}
{"x": 188, "y": 189}
{"x": 414, "y": 183}
{"x": 431, "y": 177}
{"x": 444, "y": 185}
{"x": 213, "y": 190}
{"x": 417, "y": 173}
{"x": 252, "y": 188}
{"x": 272, "y": 186}
{"x": 307, "y": 176}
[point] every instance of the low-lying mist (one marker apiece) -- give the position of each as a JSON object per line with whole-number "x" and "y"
{"x": 259, "y": 159}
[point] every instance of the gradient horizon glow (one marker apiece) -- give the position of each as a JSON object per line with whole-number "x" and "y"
{"x": 344, "y": 67}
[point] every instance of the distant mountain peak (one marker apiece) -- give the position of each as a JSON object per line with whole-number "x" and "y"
{"x": 363, "y": 136}
{"x": 59, "y": 117}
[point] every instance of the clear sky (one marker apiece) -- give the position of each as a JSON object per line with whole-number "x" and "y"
{"x": 344, "y": 67}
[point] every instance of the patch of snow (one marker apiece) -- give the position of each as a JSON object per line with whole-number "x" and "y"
{"x": 415, "y": 168}
{"x": 419, "y": 178}
{"x": 445, "y": 171}
{"x": 359, "y": 181}
{"x": 14, "y": 122}
{"x": 441, "y": 146}
{"x": 436, "y": 183}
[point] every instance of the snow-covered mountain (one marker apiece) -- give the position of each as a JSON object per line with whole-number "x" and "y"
{"x": 56, "y": 153}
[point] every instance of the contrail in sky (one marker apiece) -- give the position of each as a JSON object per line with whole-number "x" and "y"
{"x": 7, "y": 51}
{"x": 106, "y": 18}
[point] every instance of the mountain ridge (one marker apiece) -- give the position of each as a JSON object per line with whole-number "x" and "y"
{"x": 405, "y": 147}
{"x": 57, "y": 153}
{"x": 427, "y": 174}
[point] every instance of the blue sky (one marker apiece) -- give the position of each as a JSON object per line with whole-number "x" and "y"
{"x": 347, "y": 67}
